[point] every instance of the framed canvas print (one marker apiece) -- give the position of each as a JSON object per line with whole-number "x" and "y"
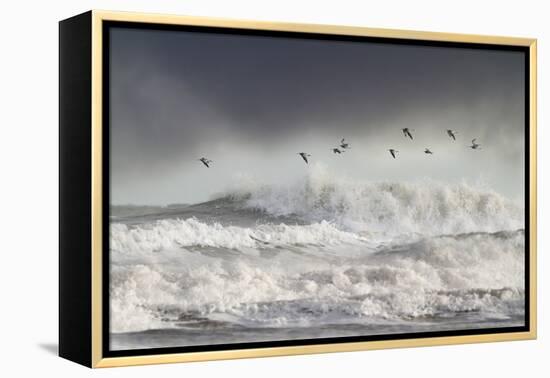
{"x": 235, "y": 189}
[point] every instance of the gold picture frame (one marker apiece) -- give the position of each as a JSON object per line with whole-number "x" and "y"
{"x": 89, "y": 329}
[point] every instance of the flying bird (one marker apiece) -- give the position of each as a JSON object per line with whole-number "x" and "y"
{"x": 427, "y": 151}
{"x": 475, "y": 145}
{"x": 206, "y": 161}
{"x": 407, "y": 132}
{"x": 343, "y": 144}
{"x": 452, "y": 133}
{"x": 393, "y": 152}
{"x": 337, "y": 151}
{"x": 304, "y": 156}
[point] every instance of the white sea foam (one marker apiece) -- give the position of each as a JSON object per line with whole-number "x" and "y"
{"x": 177, "y": 233}
{"x": 321, "y": 251}
{"x": 428, "y": 208}
{"x": 477, "y": 272}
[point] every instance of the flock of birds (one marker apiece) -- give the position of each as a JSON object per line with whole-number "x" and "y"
{"x": 451, "y": 133}
{"x": 345, "y": 146}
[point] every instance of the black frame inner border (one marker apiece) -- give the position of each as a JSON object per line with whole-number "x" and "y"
{"x": 106, "y": 27}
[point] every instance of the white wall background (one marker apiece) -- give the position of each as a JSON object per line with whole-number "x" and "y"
{"x": 28, "y": 209}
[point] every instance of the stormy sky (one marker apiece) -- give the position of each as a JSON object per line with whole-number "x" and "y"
{"x": 250, "y": 103}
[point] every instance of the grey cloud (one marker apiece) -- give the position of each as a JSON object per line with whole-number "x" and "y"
{"x": 176, "y": 96}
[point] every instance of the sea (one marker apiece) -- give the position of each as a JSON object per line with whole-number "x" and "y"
{"x": 319, "y": 258}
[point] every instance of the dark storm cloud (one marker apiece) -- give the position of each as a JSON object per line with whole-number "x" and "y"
{"x": 175, "y": 93}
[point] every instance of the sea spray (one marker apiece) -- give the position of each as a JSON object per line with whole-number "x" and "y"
{"x": 320, "y": 254}
{"x": 426, "y": 207}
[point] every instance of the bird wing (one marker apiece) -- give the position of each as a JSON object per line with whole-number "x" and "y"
{"x": 474, "y": 141}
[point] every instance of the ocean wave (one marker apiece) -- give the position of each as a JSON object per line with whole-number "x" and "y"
{"x": 425, "y": 207}
{"x": 178, "y": 233}
{"x": 474, "y": 273}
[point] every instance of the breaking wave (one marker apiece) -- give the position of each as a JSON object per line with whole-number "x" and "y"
{"x": 304, "y": 285}
{"x": 321, "y": 251}
{"x": 428, "y": 208}
{"x": 177, "y": 233}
